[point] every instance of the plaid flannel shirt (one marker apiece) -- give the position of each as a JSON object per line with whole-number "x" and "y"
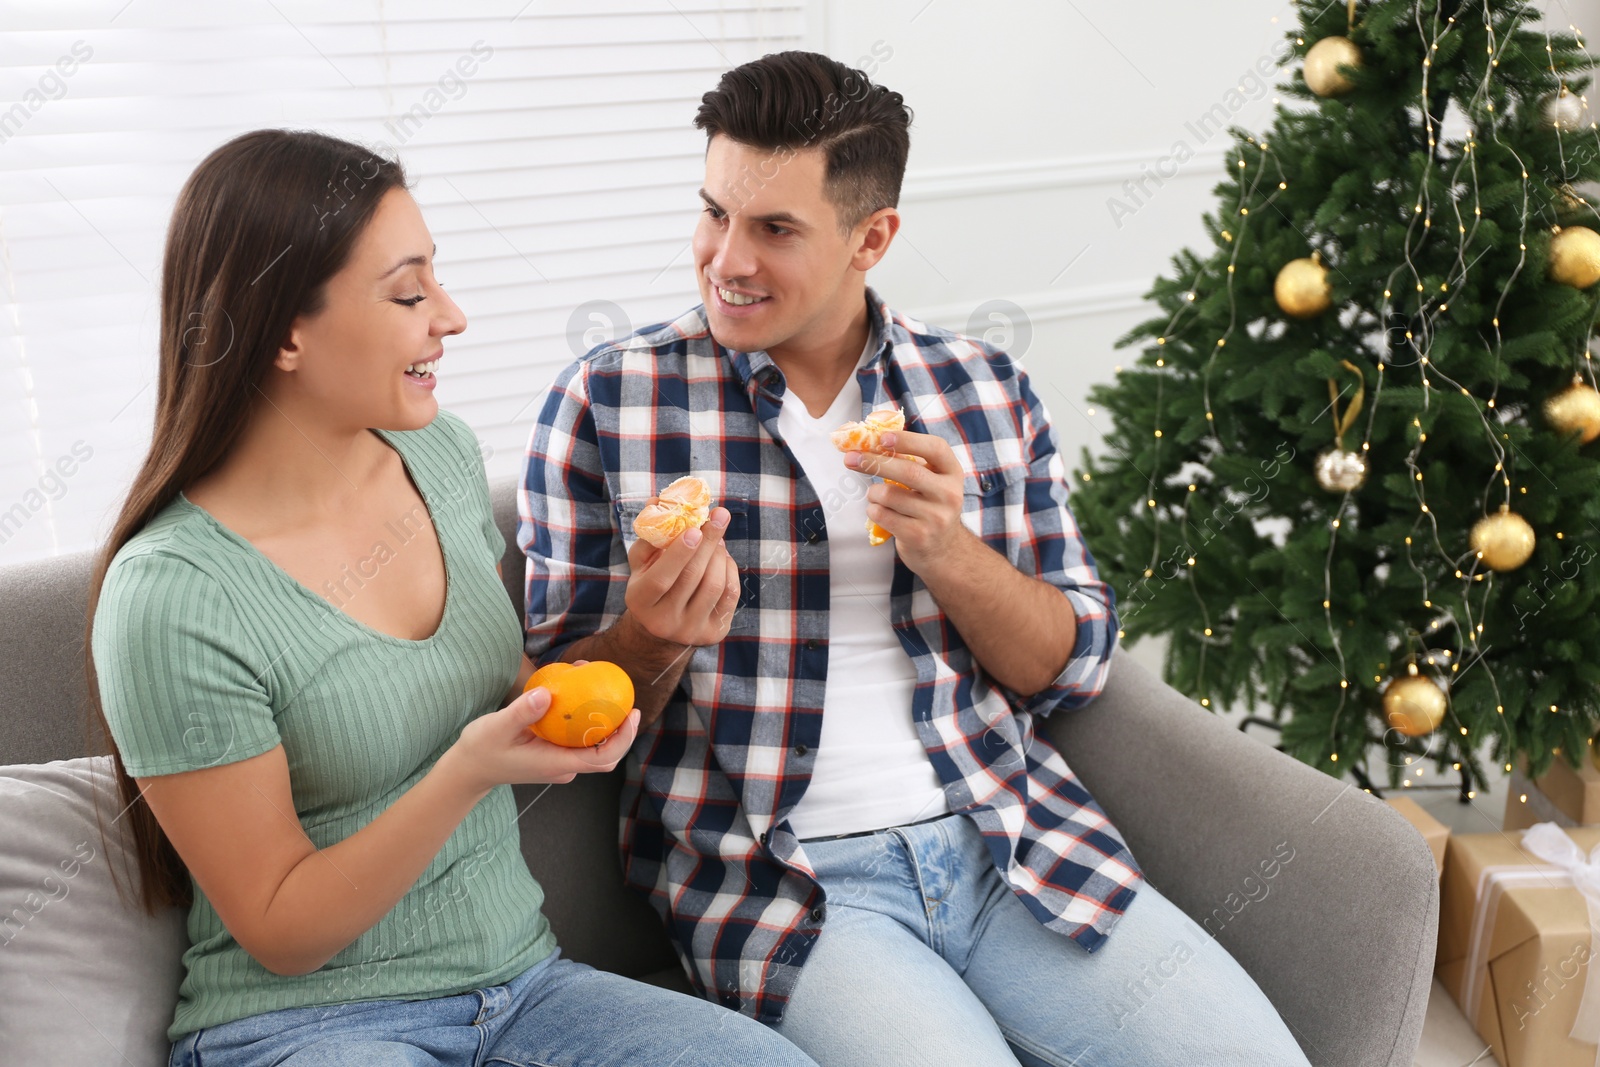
{"x": 708, "y": 785}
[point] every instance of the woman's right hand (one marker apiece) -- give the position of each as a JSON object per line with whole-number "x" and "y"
{"x": 499, "y": 749}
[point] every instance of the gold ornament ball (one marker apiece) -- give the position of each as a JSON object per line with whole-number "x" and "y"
{"x": 1575, "y": 409}
{"x": 1339, "y": 471}
{"x": 1575, "y": 256}
{"x": 1323, "y": 62}
{"x": 1503, "y": 541}
{"x": 1414, "y": 705}
{"x": 1302, "y": 289}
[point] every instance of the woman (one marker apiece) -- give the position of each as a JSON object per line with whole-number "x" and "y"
{"x": 310, "y": 669}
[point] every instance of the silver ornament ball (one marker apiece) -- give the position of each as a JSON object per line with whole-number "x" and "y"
{"x": 1565, "y": 110}
{"x": 1339, "y": 471}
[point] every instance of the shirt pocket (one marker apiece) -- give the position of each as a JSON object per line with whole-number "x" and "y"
{"x": 745, "y": 549}
{"x": 993, "y": 503}
{"x": 623, "y": 512}
{"x": 736, "y": 536}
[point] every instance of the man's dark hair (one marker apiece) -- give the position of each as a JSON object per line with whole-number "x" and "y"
{"x": 790, "y": 101}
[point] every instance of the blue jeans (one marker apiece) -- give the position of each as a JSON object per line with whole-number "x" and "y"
{"x": 926, "y": 956}
{"x": 557, "y": 1013}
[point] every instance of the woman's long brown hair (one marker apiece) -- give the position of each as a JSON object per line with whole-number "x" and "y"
{"x": 257, "y": 231}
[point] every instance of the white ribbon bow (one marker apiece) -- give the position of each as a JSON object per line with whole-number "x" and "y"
{"x": 1553, "y": 845}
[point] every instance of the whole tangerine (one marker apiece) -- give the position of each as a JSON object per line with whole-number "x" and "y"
{"x": 587, "y": 702}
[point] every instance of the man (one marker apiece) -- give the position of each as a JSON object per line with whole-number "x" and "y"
{"x": 837, "y": 800}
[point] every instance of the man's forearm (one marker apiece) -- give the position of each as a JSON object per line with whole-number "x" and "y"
{"x": 1020, "y": 630}
{"x": 654, "y": 665}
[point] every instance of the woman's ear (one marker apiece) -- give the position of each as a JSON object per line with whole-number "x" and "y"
{"x": 289, "y": 352}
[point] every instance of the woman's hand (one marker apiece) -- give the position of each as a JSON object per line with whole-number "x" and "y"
{"x": 499, "y": 749}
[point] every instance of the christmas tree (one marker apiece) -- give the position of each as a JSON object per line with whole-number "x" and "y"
{"x": 1350, "y": 475}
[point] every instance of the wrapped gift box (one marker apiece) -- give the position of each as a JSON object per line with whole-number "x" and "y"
{"x": 1527, "y": 804}
{"x": 1561, "y": 795}
{"x": 1516, "y": 959}
{"x": 1434, "y": 832}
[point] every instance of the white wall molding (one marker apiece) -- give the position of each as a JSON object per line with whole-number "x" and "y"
{"x": 1047, "y": 305}
{"x": 991, "y": 179}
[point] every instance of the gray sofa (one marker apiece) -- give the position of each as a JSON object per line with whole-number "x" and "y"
{"x": 1340, "y": 936}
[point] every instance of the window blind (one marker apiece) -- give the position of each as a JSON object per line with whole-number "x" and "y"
{"x": 550, "y": 145}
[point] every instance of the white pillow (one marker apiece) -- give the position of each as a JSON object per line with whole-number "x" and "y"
{"x": 83, "y": 978}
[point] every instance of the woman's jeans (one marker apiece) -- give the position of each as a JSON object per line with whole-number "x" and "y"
{"x": 927, "y": 957}
{"x": 557, "y": 1013}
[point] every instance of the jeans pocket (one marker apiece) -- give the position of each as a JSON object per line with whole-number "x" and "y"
{"x": 183, "y": 1053}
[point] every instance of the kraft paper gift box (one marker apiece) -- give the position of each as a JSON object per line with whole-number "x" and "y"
{"x": 1434, "y": 832}
{"x": 1527, "y": 804}
{"x": 1515, "y": 938}
{"x": 1561, "y": 795}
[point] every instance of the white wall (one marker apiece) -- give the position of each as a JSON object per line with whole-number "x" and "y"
{"x": 1031, "y": 116}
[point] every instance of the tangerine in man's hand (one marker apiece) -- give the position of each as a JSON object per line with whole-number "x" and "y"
{"x": 683, "y": 505}
{"x": 867, "y": 436}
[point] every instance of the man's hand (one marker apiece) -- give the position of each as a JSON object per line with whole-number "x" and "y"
{"x": 685, "y": 593}
{"x": 678, "y": 598}
{"x": 975, "y": 586}
{"x": 924, "y": 511}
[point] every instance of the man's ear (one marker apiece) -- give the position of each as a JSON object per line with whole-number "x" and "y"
{"x": 873, "y": 236}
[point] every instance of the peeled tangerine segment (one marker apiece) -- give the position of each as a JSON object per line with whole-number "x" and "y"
{"x": 683, "y": 505}
{"x": 867, "y": 436}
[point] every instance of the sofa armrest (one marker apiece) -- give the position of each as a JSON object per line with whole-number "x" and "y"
{"x": 513, "y": 564}
{"x": 1340, "y": 936}
{"x": 44, "y": 690}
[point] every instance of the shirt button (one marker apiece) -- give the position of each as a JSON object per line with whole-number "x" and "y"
{"x": 816, "y": 914}
{"x": 813, "y": 644}
{"x": 985, "y": 485}
{"x": 763, "y": 837}
{"x": 813, "y": 537}
{"x": 801, "y": 750}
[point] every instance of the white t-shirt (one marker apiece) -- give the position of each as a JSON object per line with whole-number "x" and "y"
{"x": 871, "y": 770}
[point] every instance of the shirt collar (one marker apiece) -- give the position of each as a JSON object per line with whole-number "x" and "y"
{"x": 753, "y": 366}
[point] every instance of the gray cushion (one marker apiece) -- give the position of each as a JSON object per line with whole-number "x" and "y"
{"x": 84, "y": 979}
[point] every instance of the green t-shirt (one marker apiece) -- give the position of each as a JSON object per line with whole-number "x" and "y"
{"x": 208, "y": 653}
